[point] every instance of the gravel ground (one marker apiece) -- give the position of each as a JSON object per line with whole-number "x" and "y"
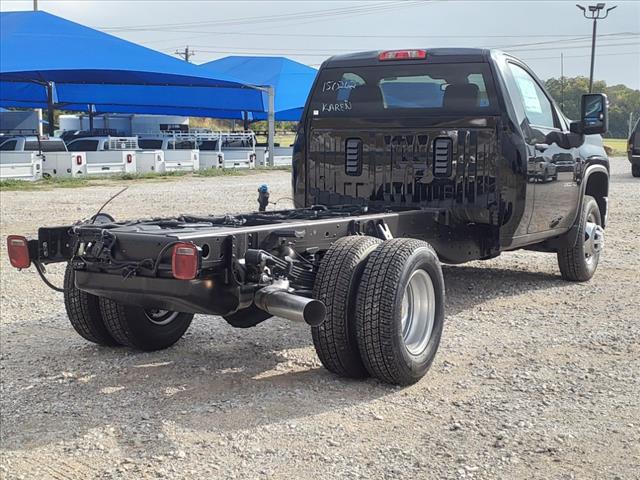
{"x": 535, "y": 378}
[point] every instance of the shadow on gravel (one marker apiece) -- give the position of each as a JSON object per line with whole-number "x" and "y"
{"x": 470, "y": 286}
{"x": 216, "y": 379}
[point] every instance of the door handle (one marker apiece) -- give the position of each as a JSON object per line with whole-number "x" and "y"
{"x": 541, "y": 147}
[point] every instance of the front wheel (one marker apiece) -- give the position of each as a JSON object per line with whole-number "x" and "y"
{"x": 144, "y": 329}
{"x": 635, "y": 169}
{"x": 400, "y": 311}
{"x": 579, "y": 262}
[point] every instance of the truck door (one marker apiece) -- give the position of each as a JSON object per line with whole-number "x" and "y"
{"x": 552, "y": 166}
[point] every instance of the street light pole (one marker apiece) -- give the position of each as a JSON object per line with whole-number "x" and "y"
{"x": 595, "y": 15}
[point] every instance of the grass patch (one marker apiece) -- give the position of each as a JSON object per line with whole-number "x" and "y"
{"x": 618, "y": 146}
{"x": 219, "y": 172}
{"x": 45, "y": 183}
{"x": 48, "y": 183}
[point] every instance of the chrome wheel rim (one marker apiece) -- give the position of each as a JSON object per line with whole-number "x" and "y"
{"x": 160, "y": 317}
{"x": 418, "y": 312}
{"x": 593, "y": 239}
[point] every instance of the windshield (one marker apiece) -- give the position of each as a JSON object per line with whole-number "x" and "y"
{"x": 397, "y": 89}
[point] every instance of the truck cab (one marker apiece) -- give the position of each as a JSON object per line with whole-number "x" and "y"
{"x": 470, "y": 131}
{"x": 633, "y": 150}
{"x": 31, "y": 143}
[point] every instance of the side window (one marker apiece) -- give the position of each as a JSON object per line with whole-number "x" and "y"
{"x": 536, "y": 108}
{"x": 10, "y": 145}
{"x": 83, "y": 146}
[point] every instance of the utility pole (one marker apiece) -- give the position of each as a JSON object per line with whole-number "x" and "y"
{"x": 35, "y": 5}
{"x": 186, "y": 54}
{"x": 594, "y": 14}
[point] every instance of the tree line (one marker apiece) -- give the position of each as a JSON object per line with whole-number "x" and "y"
{"x": 623, "y": 101}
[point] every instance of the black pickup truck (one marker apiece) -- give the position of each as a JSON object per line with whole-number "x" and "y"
{"x": 403, "y": 159}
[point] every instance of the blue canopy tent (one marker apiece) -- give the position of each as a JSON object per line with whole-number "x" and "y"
{"x": 87, "y": 70}
{"x": 290, "y": 80}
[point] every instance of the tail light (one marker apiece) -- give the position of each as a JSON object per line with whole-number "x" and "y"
{"x": 185, "y": 261}
{"x": 78, "y": 159}
{"x": 403, "y": 55}
{"x": 18, "y": 249}
{"x": 129, "y": 158}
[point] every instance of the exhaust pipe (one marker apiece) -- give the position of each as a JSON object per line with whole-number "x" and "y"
{"x": 281, "y": 303}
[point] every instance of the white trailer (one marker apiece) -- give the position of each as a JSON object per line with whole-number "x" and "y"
{"x": 64, "y": 164}
{"x": 20, "y": 166}
{"x": 150, "y": 161}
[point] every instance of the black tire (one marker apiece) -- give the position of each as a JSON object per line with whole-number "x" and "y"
{"x": 335, "y": 339}
{"x": 379, "y": 311}
{"x": 133, "y": 327}
{"x": 572, "y": 261}
{"x": 83, "y": 310}
{"x": 635, "y": 170}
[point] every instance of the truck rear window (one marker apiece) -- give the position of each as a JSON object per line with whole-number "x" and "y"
{"x": 149, "y": 144}
{"x": 394, "y": 89}
{"x": 45, "y": 146}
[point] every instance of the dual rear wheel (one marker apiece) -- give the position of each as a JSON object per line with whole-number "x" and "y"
{"x": 385, "y": 308}
{"x": 106, "y": 322}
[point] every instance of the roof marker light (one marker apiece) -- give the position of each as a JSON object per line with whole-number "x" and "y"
{"x": 402, "y": 55}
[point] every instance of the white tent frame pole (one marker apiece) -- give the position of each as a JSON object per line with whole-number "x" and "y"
{"x": 271, "y": 120}
{"x": 271, "y": 125}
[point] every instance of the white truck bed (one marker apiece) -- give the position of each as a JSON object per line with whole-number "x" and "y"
{"x": 182, "y": 160}
{"x": 211, "y": 159}
{"x": 111, "y": 162}
{"x": 64, "y": 164}
{"x": 20, "y": 166}
{"x": 239, "y": 157}
{"x": 150, "y": 161}
{"x": 282, "y": 157}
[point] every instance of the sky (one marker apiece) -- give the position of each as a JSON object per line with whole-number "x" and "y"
{"x": 310, "y": 31}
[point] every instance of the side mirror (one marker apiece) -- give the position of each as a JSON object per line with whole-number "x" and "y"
{"x": 594, "y": 115}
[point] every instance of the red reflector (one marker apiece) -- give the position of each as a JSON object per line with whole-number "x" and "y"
{"x": 18, "y": 251}
{"x": 78, "y": 159}
{"x": 129, "y": 158}
{"x": 402, "y": 55}
{"x": 184, "y": 261}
